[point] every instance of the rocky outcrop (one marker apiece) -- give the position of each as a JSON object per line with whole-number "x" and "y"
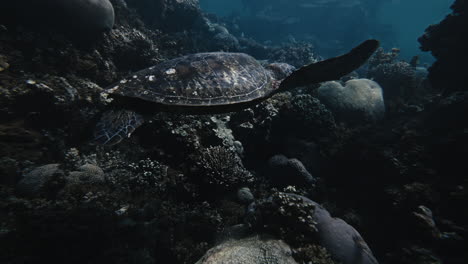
{"x": 74, "y": 17}
{"x": 447, "y": 42}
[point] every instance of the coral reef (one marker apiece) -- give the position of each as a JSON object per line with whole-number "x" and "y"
{"x": 288, "y": 216}
{"x": 170, "y": 15}
{"x": 183, "y": 184}
{"x": 223, "y": 168}
{"x": 447, "y": 43}
{"x": 75, "y": 17}
{"x": 38, "y": 181}
{"x": 358, "y": 101}
{"x": 284, "y": 171}
{"x": 297, "y": 54}
{"x": 307, "y": 117}
{"x": 253, "y": 250}
{"x": 313, "y": 253}
{"x": 397, "y": 78}
{"x": 298, "y": 218}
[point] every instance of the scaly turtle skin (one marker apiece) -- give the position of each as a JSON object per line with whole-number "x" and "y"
{"x": 211, "y": 82}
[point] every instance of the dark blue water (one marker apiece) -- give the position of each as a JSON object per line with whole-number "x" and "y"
{"x": 333, "y": 28}
{"x": 410, "y": 18}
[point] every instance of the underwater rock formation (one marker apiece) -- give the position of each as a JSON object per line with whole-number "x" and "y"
{"x": 37, "y": 182}
{"x": 86, "y": 174}
{"x": 160, "y": 197}
{"x": 447, "y": 42}
{"x": 284, "y": 171}
{"x": 245, "y": 196}
{"x": 306, "y": 117}
{"x": 294, "y": 53}
{"x": 402, "y": 164}
{"x": 169, "y": 15}
{"x": 359, "y": 101}
{"x": 399, "y": 79}
{"x": 302, "y": 219}
{"x": 253, "y": 250}
{"x": 82, "y": 17}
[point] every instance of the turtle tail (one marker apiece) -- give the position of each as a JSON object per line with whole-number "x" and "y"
{"x": 331, "y": 69}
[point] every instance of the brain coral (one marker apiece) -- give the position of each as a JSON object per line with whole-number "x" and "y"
{"x": 360, "y": 100}
{"x": 252, "y": 250}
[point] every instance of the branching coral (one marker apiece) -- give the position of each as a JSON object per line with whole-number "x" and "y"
{"x": 221, "y": 167}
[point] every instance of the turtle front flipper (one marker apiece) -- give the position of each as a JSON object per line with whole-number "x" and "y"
{"x": 115, "y": 126}
{"x": 331, "y": 69}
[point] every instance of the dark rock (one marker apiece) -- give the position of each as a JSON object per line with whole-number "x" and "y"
{"x": 245, "y": 196}
{"x": 80, "y": 17}
{"x": 170, "y": 15}
{"x": 225, "y": 42}
{"x": 426, "y": 224}
{"x": 255, "y": 49}
{"x": 447, "y": 43}
{"x": 21, "y": 143}
{"x": 341, "y": 240}
{"x": 37, "y": 182}
{"x": 284, "y": 172}
{"x": 86, "y": 174}
{"x": 305, "y": 117}
{"x": 308, "y": 152}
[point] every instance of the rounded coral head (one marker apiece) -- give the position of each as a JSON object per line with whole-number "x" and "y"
{"x": 280, "y": 70}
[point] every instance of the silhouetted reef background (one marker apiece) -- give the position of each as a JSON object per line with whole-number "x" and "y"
{"x": 391, "y": 166}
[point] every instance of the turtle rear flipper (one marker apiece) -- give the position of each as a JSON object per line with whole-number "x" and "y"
{"x": 115, "y": 126}
{"x": 331, "y": 69}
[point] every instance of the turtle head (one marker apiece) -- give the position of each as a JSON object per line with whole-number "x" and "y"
{"x": 280, "y": 70}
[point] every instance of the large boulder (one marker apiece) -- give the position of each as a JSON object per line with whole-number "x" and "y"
{"x": 252, "y": 250}
{"x": 340, "y": 239}
{"x": 284, "y": 172}
{"x": 358, "y": 101}
{"x": 71, "y": 16}
{"x": 303, "y": 219}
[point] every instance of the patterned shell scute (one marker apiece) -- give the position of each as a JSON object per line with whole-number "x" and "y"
{"x": 215, "y": 78}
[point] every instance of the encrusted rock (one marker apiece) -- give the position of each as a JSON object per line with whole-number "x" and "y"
{"x": 88, "y": 173}
{"x": 284, "y": 171}
{"x": 245, "y": 196}
{"x": 399, "y": 79}
{"x": 302, "y": 219}
{"x": 252, "y": 250}
{"x": 171, "y": 15}
{"x": 74, "y": 16}
{"x": 447, "y": 42}
{"x": 36, "y": 181}
{"x": 307, "y": 117}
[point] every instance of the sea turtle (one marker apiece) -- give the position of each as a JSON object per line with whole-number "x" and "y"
{"x": 213, "y": 82}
